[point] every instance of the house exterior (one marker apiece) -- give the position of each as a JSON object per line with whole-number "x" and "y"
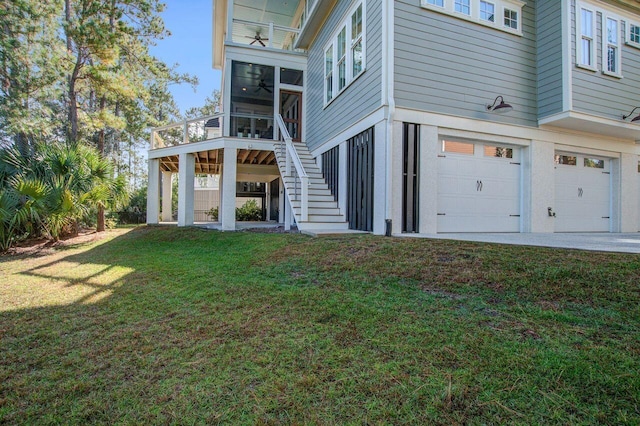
{"x": 423, "y": 116}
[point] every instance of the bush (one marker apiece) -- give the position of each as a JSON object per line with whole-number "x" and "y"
{"x": 250, "y": 211}
{"x": 213, "y": 213}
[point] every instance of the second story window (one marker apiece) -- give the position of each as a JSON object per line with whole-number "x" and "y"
{"x": 344, "y": 57}
{"x": 328, "y": 74}
{"x": 611, "y": 49}
{"x": 586, "y": 46}
{"x": 463, "y": 6}
{"x": 503, "y": 15}
{"x": 487, "y": 11}
{"x": 510, "y": 18}
{"x": 633, "y": 34}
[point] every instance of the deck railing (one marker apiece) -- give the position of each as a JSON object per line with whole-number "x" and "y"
{"x": 187, "y": 131}
{"x": 293, "y": 168}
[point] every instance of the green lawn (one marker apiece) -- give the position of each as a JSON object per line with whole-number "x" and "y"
{"x": 164, "y": 325}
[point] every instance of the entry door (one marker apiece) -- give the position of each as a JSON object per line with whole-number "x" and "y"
{"x": 291, "y": 111}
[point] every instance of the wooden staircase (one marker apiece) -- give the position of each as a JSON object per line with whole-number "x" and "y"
{"x": 322, "y": 210}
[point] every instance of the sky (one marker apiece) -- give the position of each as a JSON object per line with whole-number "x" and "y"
{"x": 189, "y": 46}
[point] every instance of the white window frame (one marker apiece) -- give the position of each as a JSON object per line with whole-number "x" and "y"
{"x": 606, "y": 44}
{"x": 329, "y": 74}
{"x": 580, "y": 36}
{"x": 347, "y": 60}
{"x": 627, "y": 30}
{"x": 449, "y": 8}
{"x": 461, "y": 2}
{"x": 487, "y": 2}
{"x": 504, "y": 18}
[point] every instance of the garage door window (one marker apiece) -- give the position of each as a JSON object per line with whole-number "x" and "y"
{"x": 457, "y": 147}
{"x": 594, "y": 163}
{"x": 568, "y": 160}
{"x": 498, "y": 151}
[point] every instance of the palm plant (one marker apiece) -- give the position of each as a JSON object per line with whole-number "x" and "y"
{"x": 53, "y": 189}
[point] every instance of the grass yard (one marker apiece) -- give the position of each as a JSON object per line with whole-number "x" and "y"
{"x": 186, "y": 326}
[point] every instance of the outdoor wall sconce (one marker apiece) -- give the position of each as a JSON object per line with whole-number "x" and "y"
{"x": 634, "y": 119}
{"x": 499, "y": 107}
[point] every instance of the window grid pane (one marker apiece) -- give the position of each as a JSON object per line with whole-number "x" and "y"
{"x": 436, "y": 2}
{"x": 510, "y": 19}
{"x": 634, "y": 34}
{"x": 463, "y": 6}
{"x": 487, "y": 11}
{"x": 357, "y": 58}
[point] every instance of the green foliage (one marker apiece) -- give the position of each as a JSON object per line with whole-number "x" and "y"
{"x": 165, "y": 325}
{"x": 49, "y": 191}
{"x": 250, "y": 211}
{"x": 213, "y": 213}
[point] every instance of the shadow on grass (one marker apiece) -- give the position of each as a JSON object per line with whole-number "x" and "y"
{"x": 167, "y": 325}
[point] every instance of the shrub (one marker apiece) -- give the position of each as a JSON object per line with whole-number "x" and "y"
{"x": 250, "y": 211}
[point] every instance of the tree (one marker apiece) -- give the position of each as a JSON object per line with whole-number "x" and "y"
{"x": 30, "y": 66}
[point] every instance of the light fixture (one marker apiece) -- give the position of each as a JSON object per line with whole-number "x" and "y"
{"x": 499, "y": 107}
{"x": 634, "y": 119}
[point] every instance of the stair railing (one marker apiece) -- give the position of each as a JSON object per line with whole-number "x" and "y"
{"x": 293, "y": 163}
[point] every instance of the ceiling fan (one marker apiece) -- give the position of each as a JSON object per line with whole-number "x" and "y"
{"x": 262, "y": 85}
{"x": 258, "y": 39}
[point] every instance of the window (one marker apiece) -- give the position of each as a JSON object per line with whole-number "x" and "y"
{"x": 594, "y": 163}
{"x": 611, "y": 46}
{"x": 487, "y": 11}
{"x": 633, "y": 34}
{"x": 356, "y": 41}
{"x": 344, "y": 57}
{"x": 463, "y": 6}
{"x": 457, "y": 147}
{"x": 567, "y": 160}
{"x": 504, "y": 15}
{"x": 510, "y": 18}
{"x": 586, "y": 46}
{"x": 328, "y": 74}
{"x": 498, "y": 151}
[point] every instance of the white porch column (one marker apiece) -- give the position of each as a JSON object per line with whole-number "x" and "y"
{"x": 186, "y": 176}
{"x": 281, "y": 200}
{"x": 625, "y": 194}
{"x": 388, "y": 177}
{"x": 153, "y": 192}
{"x": 539, "y": 188}
{"x": 288, "y": 213}
{"x": 166, "y": 197}
{"x": 227, "y": 212}
{"x": 427, "y": 180}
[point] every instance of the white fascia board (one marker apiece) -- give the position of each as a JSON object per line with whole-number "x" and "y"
{"x": 190, "y": 148}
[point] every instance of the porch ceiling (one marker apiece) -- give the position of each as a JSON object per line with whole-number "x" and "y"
{"x": 208, "y": 162}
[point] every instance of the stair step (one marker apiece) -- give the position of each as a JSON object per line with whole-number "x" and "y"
{"x": 316, "y": 204}
{"x": 325, "y": 226}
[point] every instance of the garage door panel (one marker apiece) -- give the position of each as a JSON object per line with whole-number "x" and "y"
{"x": 583, "y": 198}
{"x": 478, "y": 193}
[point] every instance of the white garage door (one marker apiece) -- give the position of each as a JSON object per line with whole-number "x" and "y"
{"x": 583, "y": 193}
{"x": 478, "y": 188}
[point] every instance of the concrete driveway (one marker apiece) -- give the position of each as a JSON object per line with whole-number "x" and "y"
{"x": 622, "y": 243}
